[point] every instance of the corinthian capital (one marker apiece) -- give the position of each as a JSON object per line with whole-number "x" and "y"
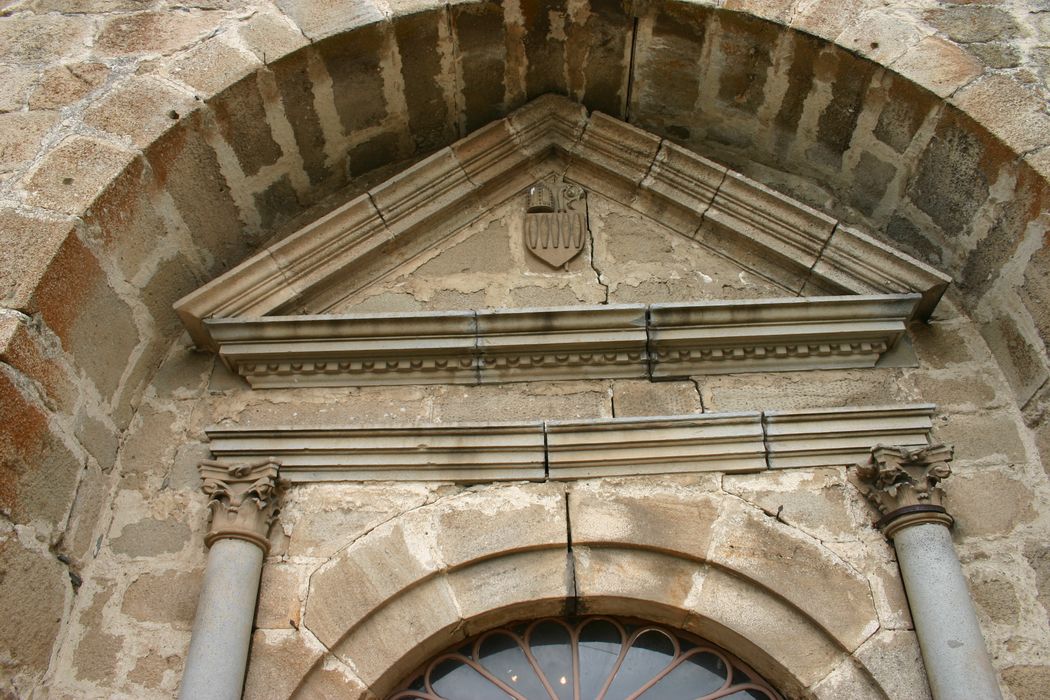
{"x": 243, "y": 499}
{"x": 903, "y": 483}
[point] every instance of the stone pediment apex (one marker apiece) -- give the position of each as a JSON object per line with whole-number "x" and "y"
{"x": 720, "y": 209}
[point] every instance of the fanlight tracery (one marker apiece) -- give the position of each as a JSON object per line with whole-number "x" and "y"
{"x": 596, "y": 658}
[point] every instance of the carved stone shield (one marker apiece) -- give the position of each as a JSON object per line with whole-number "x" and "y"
{"x": 554, "y": 238}
{"x": 554, "y": 222}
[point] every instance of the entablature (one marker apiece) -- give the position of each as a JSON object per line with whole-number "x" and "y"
{"x": 575, "y": 449}
{"x": 658, "y": 341}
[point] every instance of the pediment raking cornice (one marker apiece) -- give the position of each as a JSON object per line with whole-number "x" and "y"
{"x": 697, "y": 198}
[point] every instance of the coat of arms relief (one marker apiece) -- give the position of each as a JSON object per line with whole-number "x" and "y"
{"x": 555, "y": 221}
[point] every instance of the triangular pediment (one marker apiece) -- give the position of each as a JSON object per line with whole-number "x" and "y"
{"x": 459, "y": 213}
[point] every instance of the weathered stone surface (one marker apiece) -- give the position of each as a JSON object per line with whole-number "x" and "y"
{"x": 391, "y": 643}
{"x": 847, "y": 679}
{"x": 1027, "y": 682}
{"x": 616, "y": 581}
{"x": 472, "y": 526}
{"x": 92, "y": 497}
{"x": 354, "y": 586}
{"x": 967, "y": 24}
{"x": 323, "y": 519}
{"x": 279, "y": 600}
{"x": 29, "y": 245}
{"x": 660, "y": 517}
{"x": 320, "y": 18}
{"x": 644, "y": 398}
{"x": 751, "y": 544}
{"x": 140, "y": 109}
{"x": 985, "y": 437}
{"x": 938, "y": 65}
{"x": 99, "y": 438}
{"x": 150, "y": 538}
{"x": 995, "y": 596}
{"x": 498, "y": 591}
{"x": 241, "y": 116}
{"x": 24, "y": 347}
{"x": 166, "y": 597}
{"x": 98, "y": 650}
{"x": 151, "y": 32}
{"x": 65, "y": 84}
{"x": 20, "y": 136}
{"x": 156, "y": 671}
{"x": 893, "y": 658}
{"x": 1038, "y": 556}
{"x": 32, "y": 38}
{"x": 71, "y": 175}
{"x": 186, "y": 167}
{"x": 1013, "y": 111}
{"x": 40, "y": 471}
{"x": 480, "y": 31}
{"x": 279, "y": 661}
{"x": 561, "y": 400}
{"x": 211, "y": 66}
{"x": 33, "y": 589}
{"x": 789, "y": 390}
{"x": 816, "y": 502}
{"x": 988, "y": 503}
{"x": 807, "y": 652}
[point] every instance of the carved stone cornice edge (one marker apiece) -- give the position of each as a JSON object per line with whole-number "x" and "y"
{"x": 242, "y": 499}
{"x": 606, "y": 156}
{"x": 584, "y": 342}
{"x": 573, "y": 449}
{"x": 903, "y": 483}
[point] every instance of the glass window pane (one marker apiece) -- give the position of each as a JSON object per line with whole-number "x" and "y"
{"x": 501, "y": 656}
{"x": 650, "y": 654}
{"x": 700, "y": 674}
{"x": 600, "y": 643}
{"x": 456, "y": 680}
{"x": 550, "y": 644}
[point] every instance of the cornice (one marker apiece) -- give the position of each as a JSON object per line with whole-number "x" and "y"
{"x": 457, "y": 184}
{"x": 659, "y": 341}
{"x": 561, "y": 450}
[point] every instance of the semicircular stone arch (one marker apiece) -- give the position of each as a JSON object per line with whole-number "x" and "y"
{"x": 189, "y": 148}
{"x": 683, "y": 556}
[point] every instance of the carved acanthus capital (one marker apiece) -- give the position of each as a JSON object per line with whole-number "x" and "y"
{"x": 904, "y": 484}
{"x": 243, "y": 499}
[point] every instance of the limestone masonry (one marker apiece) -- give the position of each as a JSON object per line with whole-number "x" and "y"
{"x": 432, "y": 317}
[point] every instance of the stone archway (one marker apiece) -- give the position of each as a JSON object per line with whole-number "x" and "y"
{"x": 115, "y": 202}
{"x": 465, "y": 564}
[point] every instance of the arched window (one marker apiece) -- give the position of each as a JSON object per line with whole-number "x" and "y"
{"x": 593, "y": 658}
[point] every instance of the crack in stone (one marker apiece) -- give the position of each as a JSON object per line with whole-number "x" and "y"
{"x": 590, "y": 257}
{"x": 699, "y": 394}
{"x": 573, "y": 603}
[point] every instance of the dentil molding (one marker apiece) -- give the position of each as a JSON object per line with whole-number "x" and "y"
{"x": 658, "y": 341}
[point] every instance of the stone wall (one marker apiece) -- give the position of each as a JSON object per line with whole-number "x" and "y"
{"x": 148, "y": 147}
{"x": 352, "y": 566}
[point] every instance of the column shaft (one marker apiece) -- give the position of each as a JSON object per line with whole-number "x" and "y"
{"x": 222, "y": 629}
{"x": 957, "y": 662}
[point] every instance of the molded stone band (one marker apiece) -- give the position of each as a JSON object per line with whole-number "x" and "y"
{"x": 913, "y": 515}
{"x": 727, "y": 442}
{"x": 582, "y": 342}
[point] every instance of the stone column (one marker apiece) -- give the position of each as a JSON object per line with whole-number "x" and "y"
{"x": 243, "y": 505}
{"x": 903, "y": 483}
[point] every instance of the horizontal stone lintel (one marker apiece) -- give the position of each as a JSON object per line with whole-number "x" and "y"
{"x": 579, "y": 449}
{"x": 582, "y": 342}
